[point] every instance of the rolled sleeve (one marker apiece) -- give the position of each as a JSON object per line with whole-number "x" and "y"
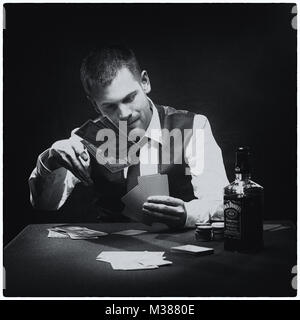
{"x": 208, "y": 175}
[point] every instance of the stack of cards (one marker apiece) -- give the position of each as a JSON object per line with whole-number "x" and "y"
{"x": 89, "y": 132}
{"x": 196, "y": 250}
{"x": 156, "y": 184}
{"x": 133, "y": 260}
{"x": 75, "y": 233}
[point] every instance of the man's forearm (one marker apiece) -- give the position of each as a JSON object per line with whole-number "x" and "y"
{"x": 49, "y": 189}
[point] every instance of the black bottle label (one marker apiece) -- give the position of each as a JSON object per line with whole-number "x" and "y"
{"x": 232, "y": 219}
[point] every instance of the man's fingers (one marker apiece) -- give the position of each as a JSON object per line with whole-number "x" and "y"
{"x": 80, "y": 169}
{"x": 80, "y": 153}
{"x": 78, "y": 148}
{"x": 160, "y": 216}
{"x": 66, "y": 163}
{"x": 77, "y": 167}
{"x": 170, "y": 201}
{"x": 83, "y": 155}
{"x": 162, "y": 208}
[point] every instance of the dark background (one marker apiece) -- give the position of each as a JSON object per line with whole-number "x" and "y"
{"x": 234, "y": 63}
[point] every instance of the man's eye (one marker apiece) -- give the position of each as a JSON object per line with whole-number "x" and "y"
{"x": 130, "y": 98}
{"x": 109, "y": 107}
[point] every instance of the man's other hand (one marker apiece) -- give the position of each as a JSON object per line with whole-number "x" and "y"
{"x": 69, "y": 154}
{"x": 165, "y": 209}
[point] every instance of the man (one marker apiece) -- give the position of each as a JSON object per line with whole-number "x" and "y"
{"x": 118, "y": 89}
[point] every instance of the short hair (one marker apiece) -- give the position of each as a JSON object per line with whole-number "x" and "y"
{"x": 100, "y": 67}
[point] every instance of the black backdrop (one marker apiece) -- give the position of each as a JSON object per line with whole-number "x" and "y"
{"x": 234, "y": 63}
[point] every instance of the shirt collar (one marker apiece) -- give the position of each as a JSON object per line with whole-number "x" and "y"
{"x": 154, "y": 129}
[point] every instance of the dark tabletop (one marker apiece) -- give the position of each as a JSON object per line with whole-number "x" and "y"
{"x": 36, "y": 265}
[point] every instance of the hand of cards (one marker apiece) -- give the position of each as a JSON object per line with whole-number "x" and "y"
{"x": 92, "y": 136}
{"x": 156, "y": 184}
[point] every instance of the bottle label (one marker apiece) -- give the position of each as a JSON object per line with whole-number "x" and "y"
{"x": 232, "y": 219}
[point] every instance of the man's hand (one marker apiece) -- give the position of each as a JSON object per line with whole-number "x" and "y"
{"x": 166, "y": 209}
{"x": 67, "y": 153}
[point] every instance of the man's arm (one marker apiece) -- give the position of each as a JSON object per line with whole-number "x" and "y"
{"x": 208, "y": 175}
{"x": 57, "y": 172}
{"x": 205, "y": 165}
{"x": 50, "y": 189}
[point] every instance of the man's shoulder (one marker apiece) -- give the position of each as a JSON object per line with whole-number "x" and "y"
{"x": 198, "y": 119}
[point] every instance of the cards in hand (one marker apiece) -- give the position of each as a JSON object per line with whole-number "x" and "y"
{"x": 89, "y": 132}
{"x": 133, "y": 260}
{"x": 156, "y": 184}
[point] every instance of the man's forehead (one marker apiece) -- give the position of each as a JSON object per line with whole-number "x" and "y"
{"x": 123, "y": 84}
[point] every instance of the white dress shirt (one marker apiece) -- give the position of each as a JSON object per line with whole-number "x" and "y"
{"x": 50, "y": 189}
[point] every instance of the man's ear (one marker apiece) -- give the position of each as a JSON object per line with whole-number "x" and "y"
{"x": 145, "y": 82}
{"x": 94, "y": 104}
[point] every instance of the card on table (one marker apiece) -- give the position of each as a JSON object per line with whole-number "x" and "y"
{"x": 197, "y": 250}
{"x": 55, "y": 234}
{"x": 133, "y": 260}
{"x": 74, "y": 232}
{"x": 130, "y": 232}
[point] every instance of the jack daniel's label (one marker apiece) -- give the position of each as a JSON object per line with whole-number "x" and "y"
{"x": 232, "y": 219}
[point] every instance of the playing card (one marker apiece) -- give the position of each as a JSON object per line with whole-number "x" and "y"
{"x": 112, "y": 167}
{"x": 130, "y": 232}
{"x": 193, "y": 249}
{"x": 89, "y": 132}
{"x": 77, "y": 232}
{"x": 132, "y": 255}
{"x": 133, "y": 260}
{"x": 56, "y": 234}
{"x": 131, "y": 265}
{"x": 134, "y": 201}
{"x": 156, "y": 184}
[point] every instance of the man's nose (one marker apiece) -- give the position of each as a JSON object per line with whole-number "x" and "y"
{"x": 124, "y": 112}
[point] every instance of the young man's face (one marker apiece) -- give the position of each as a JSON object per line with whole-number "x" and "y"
{"x": 125, "y": 99}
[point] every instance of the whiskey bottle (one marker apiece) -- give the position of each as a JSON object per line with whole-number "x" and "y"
{"x": 243, "y": 208}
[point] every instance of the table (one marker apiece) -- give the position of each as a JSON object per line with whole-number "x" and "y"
{"x": 38, "y": 266}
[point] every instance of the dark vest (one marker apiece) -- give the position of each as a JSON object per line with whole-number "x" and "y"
{"x": 110, "y": 187}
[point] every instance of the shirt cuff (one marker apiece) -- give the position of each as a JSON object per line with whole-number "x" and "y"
{"x": 201, "y": 211}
